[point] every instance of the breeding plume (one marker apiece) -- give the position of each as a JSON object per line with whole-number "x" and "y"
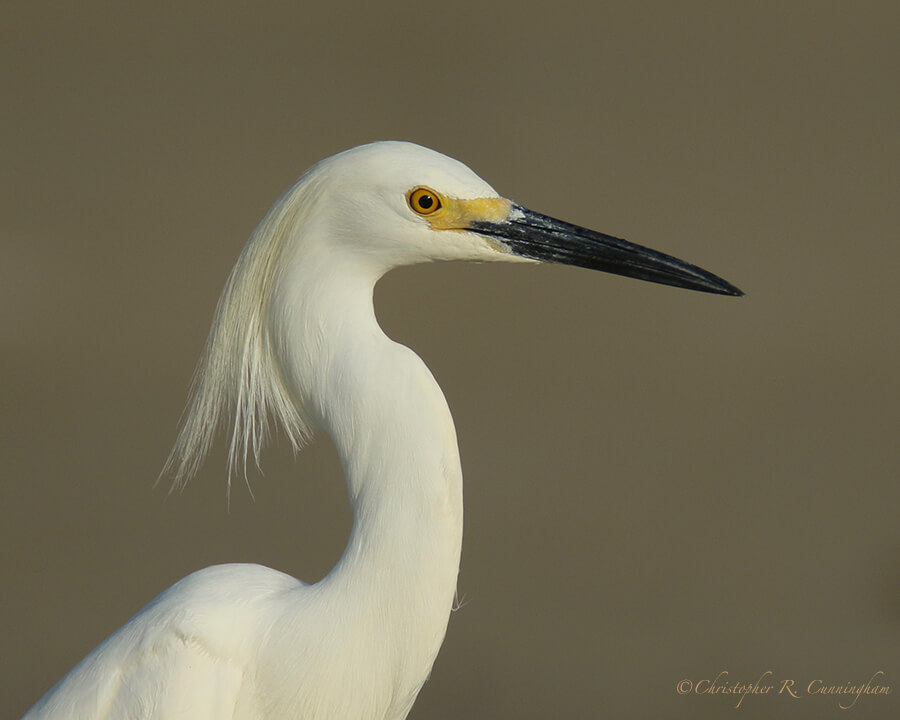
{"x": 295, "y": 339}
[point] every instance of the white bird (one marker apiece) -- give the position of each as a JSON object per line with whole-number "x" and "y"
{"x": 295, "y": 338}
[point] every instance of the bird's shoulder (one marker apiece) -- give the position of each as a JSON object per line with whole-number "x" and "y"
{"x": 220, "y": 609}
{"x": 190, "y": 642}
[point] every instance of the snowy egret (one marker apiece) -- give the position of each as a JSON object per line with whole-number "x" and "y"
{"x": 295, "y": 339}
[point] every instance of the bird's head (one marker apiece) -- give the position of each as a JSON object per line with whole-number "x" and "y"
{"x": 397, "y": 203}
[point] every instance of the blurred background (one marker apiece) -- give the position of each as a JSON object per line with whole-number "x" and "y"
{"x": 660, "y": 485}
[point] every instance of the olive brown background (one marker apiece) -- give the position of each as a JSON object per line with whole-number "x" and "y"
{"x": 660, "y": 485}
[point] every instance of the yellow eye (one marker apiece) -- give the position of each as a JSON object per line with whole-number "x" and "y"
{"x": 424, "y": 201}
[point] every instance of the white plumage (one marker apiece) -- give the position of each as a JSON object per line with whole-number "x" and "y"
{"x": 295, "y": 338}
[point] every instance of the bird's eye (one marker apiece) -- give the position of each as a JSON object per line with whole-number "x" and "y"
{"x": 424, "y": 201}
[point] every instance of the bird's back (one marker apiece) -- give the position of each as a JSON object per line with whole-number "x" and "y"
{"x": 188, "y": 654}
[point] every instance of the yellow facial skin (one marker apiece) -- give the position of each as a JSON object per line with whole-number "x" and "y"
{"x": 447, "y": 213}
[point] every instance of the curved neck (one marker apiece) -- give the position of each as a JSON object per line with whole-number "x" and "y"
{"x": 397, "y": 444}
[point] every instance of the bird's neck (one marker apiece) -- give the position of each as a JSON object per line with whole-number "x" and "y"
{"x": 395, "y": 437}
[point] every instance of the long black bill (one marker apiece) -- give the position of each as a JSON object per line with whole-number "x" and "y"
{"x": 539, "y": 237}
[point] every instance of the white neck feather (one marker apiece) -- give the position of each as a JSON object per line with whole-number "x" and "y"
{"x": 295, "y": 336}
{"x": 395, "y": 437}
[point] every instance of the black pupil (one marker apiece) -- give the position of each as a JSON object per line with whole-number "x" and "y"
{"x": 426, "y": 202}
